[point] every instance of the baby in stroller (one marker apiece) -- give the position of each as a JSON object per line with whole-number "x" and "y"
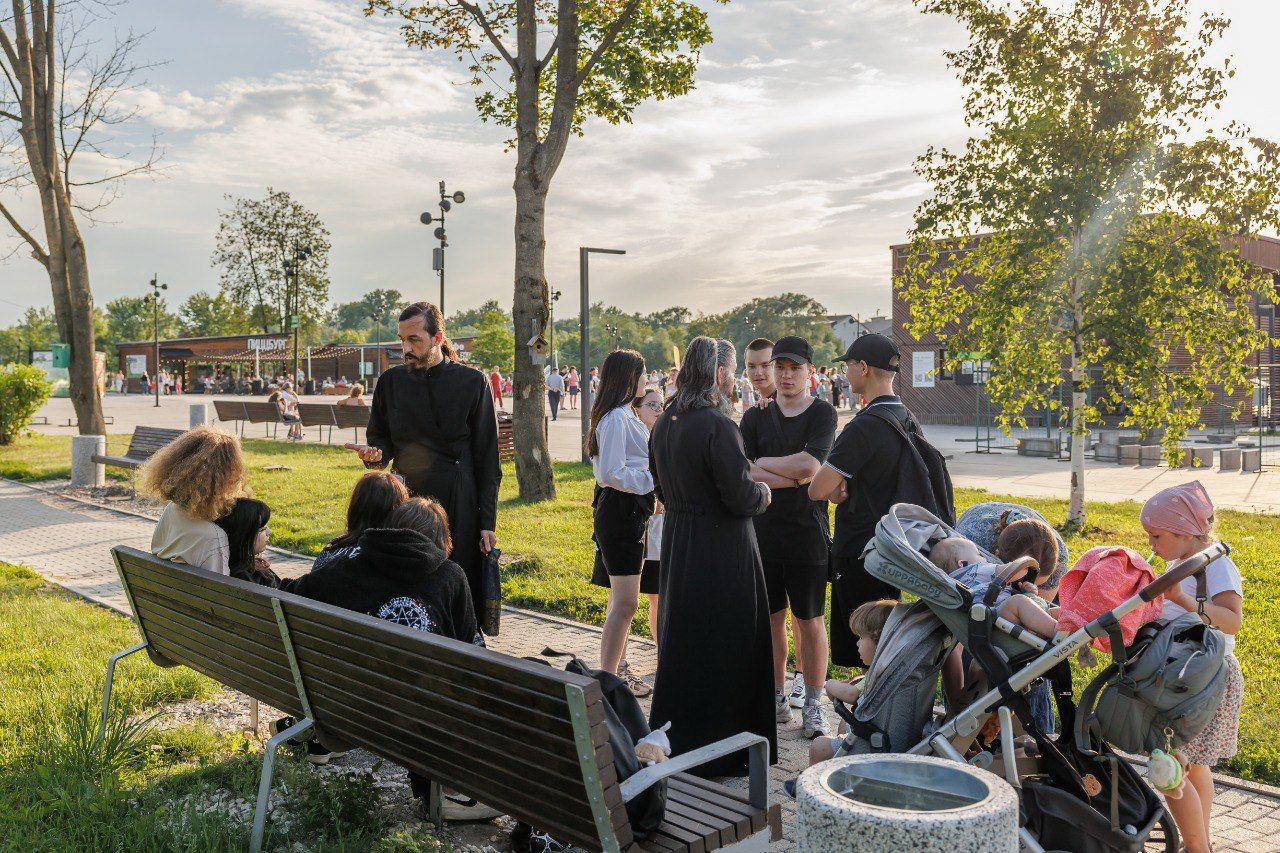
{"x": 1028, "y": 549}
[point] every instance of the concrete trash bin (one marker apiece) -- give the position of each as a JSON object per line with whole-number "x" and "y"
{"x": 879, "y": 802}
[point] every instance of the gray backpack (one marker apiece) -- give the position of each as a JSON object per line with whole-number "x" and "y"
{"x": 1159, "y": 692}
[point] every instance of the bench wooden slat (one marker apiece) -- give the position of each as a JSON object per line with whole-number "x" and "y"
{"x": 351, "y": 417}
{"x": 714, "y": 834}
{"x": 727, "y": 796}
{"x": 436, "y": 694}
{"x": 454, "y": 717}
{"x": 457, "y": 683}
{"x": 707, "y": 802}
{"x": 317, "y": 414}
{"x": 439, "y": 751}
{"x": 118, "y": 461}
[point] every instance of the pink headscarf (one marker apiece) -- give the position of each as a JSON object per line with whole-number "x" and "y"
{"x": 1185, "y": 510}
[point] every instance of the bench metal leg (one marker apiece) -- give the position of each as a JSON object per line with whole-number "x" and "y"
{"x": 106, "y": 691}
{"x": 264, "y": 784}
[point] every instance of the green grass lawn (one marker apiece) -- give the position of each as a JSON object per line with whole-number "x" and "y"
{"x": 552, "y": 544}
{"x": 148, "y": 787}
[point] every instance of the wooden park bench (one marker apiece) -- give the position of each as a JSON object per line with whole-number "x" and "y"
{"x": 351, "y": 417}
{"x": 319, "y": 415}
{"x": 524, "y": 738}
{"x": 143, "y": 444}
{"x": 264, "y": 413}
{"x": 506, "y": 438}
{"x": 232, "y": 412}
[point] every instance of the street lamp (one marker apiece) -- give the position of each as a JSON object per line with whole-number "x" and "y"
{"x": 584, "y": 255}
{"x": 612, "y": 331}
{"x": 447, "y": 201}
{"x": 551, "y": 332}
{"x": 293, "y": 266}
{"x": 377, "y": 317}
{"x": 154, "y": 298}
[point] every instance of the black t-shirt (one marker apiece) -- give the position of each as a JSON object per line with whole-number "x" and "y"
{"x": 793, "y": 527}
{"x": 867, "y": 453}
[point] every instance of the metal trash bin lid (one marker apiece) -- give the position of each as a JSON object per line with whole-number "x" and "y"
{"x": 888, "y": 783}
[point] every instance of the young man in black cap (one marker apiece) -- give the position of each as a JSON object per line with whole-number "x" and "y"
{"x": 862, "y": 474}
{"x": 787, "y": 442}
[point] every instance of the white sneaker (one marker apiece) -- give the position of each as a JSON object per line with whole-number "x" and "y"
{"x": 796, "y": 697}
{"x": 781, "y": 708}
{"x": 815, "y": 724}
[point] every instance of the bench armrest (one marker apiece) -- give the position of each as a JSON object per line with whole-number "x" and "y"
{"x": 759, "y": 767}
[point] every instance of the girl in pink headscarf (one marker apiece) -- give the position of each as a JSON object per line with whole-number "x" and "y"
{"x": 1179, "y": 523}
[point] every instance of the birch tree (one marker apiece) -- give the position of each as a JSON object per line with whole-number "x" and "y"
{"x": 1111, "y": 221}
{"x": 61, "y": 101}
{"x": 543, "y": 68}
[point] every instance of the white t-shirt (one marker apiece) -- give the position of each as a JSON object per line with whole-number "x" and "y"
{"x": 183, "y": 539}
{"x": 1220, "y": 576}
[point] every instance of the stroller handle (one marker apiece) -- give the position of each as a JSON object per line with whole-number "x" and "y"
{"x": 1190, "y": 566}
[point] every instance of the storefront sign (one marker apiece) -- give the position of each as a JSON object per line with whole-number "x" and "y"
{"x": 268, "y": 343}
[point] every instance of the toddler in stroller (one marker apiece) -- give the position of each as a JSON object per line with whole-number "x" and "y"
{"x": 1074, "y": 798}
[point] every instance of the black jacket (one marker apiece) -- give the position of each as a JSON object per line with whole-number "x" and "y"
{"x": 398, "y": 575}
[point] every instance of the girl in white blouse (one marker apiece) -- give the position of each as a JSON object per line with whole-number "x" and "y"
{"x": 618, "y": 445}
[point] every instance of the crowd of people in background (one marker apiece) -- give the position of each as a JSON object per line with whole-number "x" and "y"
{"x": 713, "y": 495}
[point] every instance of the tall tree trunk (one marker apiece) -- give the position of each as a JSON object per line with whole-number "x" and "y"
{"x": 1079, "y": 382}
{"x": 86, "y": 396}
{"x": 530, "y": 313}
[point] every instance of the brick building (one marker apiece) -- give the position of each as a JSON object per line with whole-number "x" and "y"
{"x": 953, "y": 400}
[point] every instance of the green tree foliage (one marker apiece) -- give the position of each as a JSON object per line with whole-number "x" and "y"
{"x": 494, "y": 344}
{"x": 773, "y": 317}
{"x": 255, "y": 237}
{"x": 358, "y": 315}
{"x": 23, "y": 390}
{"x": 210, "y": 315}
{"x": 472, "y": 317}
{"x": 35, "y": 331}
{"x": 1114, "y": 226}
{"x": 598, "y": 59}
{"x": 129, "y": 318}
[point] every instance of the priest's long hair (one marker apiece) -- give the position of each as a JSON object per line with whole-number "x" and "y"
{"x": 698, "y": 384}
{"x": 619, "y": 376}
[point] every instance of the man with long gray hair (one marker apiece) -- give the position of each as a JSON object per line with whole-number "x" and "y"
{"x": 715, "y": 674}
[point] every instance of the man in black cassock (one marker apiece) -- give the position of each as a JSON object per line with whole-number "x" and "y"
{"x": 433, "y": 420}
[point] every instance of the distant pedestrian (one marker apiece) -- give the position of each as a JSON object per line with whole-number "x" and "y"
{"x": 555, "y": 391}
{"x": 572, "y": 384}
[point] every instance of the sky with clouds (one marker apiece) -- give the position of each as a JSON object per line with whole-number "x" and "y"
{"x": 788, "y": 168}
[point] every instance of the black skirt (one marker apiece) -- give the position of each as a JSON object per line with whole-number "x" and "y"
{"x": 650, "y": 576}
{"x": 618, "y": 530}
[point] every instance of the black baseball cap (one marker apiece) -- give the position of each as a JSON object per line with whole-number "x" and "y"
{"x": 793, "y": 348}
{"x": 876, "y": 350}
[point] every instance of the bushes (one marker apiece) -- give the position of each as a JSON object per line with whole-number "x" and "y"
{"x": 23, "y": 390}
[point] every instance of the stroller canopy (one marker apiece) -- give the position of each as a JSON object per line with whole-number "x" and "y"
{"x": 894, "y": 555}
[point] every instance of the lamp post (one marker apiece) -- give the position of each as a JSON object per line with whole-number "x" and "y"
{"x": 447, "y": 201}
{"x": 551, "y": 332}
{"x": 154, "y": 298}
{"x": 612, "y": 331}
{"x": 293, "y": 266}
{"x": 584, "y": 255}
{"x": 376, "y": 317}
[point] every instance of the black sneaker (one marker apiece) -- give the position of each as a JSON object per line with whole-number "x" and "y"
{"x": 284, "y": 723}
{"x": 320, "y": 756}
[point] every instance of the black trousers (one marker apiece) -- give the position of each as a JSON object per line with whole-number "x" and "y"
{"x": 553, "y": 397}
{"x": 852, "y": 587}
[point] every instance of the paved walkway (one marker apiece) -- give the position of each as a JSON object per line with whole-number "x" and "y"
{"x": 68, "y": 542}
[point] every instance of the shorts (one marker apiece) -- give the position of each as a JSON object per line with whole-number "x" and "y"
{"x": 650, "y": 577}
{"x": 618, "y": 528}
{"x": 573, "y": 390}
{"x": 802, "y": 585}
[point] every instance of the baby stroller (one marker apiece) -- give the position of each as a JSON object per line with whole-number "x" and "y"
{"x": 1079, "y": 798}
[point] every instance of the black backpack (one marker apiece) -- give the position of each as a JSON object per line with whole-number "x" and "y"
{"x": 923, "y": 479}
{"x": 627, "y": 726}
